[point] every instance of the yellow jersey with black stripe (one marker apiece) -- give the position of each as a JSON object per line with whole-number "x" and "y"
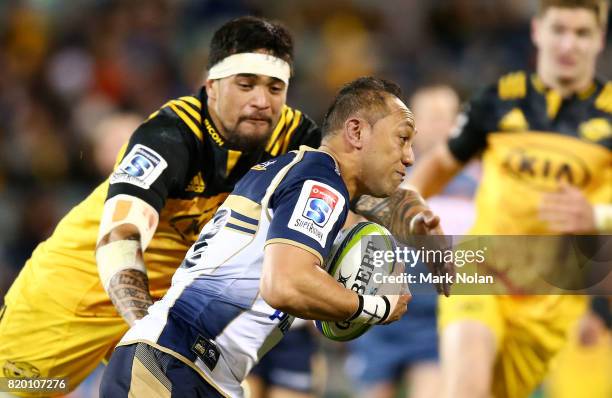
{"x": 178, "y": 163}
{"x": 532, "y": 140}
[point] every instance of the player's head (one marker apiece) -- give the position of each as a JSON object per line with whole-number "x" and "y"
{"x": 249, "y": 66}
{"x": 109, "y": 134}
{"x": 569, "y": 35}
{"x": 368, "y": 121}
{"x": 435, "y": 109}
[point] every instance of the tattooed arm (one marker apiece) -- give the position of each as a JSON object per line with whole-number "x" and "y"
{"x": 406, "y": 215}
{"x": 129, "y": 292}
{"x": 122, "y": 271}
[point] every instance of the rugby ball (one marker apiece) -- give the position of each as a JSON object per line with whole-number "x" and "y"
{"x": 352, "y": 264}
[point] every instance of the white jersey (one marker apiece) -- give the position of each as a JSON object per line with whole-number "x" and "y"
{"x": 213, "y": 317}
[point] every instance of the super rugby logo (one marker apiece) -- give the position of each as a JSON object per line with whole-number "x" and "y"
{"x": 321, "y": 202}
{"x": 316, "y": 210}
{"x": 140, "y": 167}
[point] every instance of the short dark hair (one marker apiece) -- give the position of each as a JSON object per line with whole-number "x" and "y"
{"x": 247, "y": 34}
{"x": 599, "y": 7}
{"x": 367, "y": 95}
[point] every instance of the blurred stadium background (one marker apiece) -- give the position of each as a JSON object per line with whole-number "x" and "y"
{"x": 68, "y": 66}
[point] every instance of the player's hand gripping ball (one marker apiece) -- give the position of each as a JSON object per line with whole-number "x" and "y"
{"x": 354, "y": 264}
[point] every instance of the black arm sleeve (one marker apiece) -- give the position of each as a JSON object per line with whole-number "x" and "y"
{"x": 155, "y": 163}
{"x": 477, "y": 119}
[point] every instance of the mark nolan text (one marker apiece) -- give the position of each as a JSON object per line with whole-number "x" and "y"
{"x": 460, "y": 277}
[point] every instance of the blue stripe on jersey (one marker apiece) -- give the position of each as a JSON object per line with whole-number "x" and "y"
{"x": 182, "y": 329}
{"x": 244, "y": 218}
{"x": 239, "y": 228}
{"x": 210, "y": 302}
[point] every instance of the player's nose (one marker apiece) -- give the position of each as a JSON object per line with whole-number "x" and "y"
{"x": 408, "y": 157}
{"x": 260, "y": 98}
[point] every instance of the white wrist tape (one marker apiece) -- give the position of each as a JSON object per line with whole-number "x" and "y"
{"x": 117, "y": 256}
{"x": 603, "y": 218}
{"x": 372, "y": 309}
{"x": 126, "y": 209}
{"x": 251, "y": 63}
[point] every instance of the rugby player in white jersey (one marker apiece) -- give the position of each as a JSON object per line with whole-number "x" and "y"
{"x": 259, "y": 261}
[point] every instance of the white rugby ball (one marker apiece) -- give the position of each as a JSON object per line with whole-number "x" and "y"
{"x": 351, "y": 263}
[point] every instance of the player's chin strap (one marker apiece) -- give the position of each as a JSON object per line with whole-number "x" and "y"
{"x": 372, "y": 309}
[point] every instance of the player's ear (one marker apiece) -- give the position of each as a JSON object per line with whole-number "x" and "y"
{"x": 353, "y": 131}
{"x": 211, "y": 91}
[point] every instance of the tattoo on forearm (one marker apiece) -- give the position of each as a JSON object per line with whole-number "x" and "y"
{"x": 394, "y": 212}
{"x": 129, "y": 292}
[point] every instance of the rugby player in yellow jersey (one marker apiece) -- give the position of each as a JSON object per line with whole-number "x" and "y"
{"x": 545, "y": 139}
{"x": 126, "y": 239}
{"x": 178, "y": 167}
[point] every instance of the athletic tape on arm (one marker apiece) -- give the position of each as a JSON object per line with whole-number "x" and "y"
{"x": 372, "y": 309}
{"x": 125, "y": 209}
{"x": 117, "y": 256}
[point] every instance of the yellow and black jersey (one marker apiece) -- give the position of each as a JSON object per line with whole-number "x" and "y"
{"x": 178, "y": 163}
{"x": 532, "y": 140}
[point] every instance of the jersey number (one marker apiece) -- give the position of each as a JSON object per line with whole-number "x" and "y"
{"x": 211, "y": 229}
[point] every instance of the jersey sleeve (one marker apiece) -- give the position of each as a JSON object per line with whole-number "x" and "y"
{"x": 156, "y": 161}
{"x": 308, "y": 211}
{"x": 470, "y": 135}
{"x": 307, "y": 133}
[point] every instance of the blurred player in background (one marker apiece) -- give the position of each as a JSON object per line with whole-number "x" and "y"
{"x": 236, "y": 293}
{"x": 436, "y": 108}
{"x": 109, "y": 135}
{"x": 584, "y": 366}
{"x": 540, "y": 134}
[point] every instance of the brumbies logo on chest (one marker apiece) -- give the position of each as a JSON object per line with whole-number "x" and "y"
{"x": 316, "y": 210}
{"x": 140, "y": 167}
